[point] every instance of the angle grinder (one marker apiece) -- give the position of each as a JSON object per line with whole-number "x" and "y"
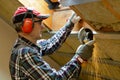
{"x": 85, "y": 35}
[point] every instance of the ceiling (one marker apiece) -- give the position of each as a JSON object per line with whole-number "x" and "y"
{"x": 102, "y": 15}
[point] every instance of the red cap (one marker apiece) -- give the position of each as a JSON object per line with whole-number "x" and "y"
{"x": 21, "y": 11}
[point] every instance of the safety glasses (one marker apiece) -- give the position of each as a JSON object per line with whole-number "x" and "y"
{"x": 38, "y": 21}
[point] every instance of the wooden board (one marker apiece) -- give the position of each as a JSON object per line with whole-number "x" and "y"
{"x": 61, "y": 17}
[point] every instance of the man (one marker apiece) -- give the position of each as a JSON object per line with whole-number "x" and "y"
{"x": 26, "y": 62}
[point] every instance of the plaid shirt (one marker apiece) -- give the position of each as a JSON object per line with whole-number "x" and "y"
{"x": 26, "y": 62}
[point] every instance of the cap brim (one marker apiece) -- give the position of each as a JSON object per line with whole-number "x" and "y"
{"x": 19, "y": 18}
{"x": 43, "y": 16}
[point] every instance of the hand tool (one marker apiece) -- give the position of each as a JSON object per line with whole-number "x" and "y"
{"x": 85, "y": 35}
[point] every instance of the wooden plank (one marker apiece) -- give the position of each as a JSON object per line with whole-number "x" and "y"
{"x": 61, "y": 17}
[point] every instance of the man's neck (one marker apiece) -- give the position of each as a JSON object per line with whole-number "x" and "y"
{"x": 27, "y": 36}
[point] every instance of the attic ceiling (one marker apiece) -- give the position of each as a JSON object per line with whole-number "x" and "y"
{"x": 102, "y": 15}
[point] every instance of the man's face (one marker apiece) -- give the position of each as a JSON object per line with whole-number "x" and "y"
{"x": 37, "y": 29}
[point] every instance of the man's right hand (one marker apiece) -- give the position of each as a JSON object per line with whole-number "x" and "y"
{"x": 74, "y": 18}
{"x": 85, "y": 50}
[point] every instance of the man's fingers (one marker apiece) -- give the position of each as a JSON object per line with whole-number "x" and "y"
{"x": 90, "y": 42}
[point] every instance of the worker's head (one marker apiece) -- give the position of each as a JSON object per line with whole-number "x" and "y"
{"x": 25, "y": 18}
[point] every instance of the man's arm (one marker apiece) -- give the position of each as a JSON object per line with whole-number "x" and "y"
{"x": 52, "y": 44}
{"x": 36, "y": 68}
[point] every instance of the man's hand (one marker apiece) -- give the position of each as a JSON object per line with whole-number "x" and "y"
{"x": 74, "y": 18}
{"x": 85, "y": 50}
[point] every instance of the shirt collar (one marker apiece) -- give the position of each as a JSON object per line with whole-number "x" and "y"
{"x": 28, "y": 42}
